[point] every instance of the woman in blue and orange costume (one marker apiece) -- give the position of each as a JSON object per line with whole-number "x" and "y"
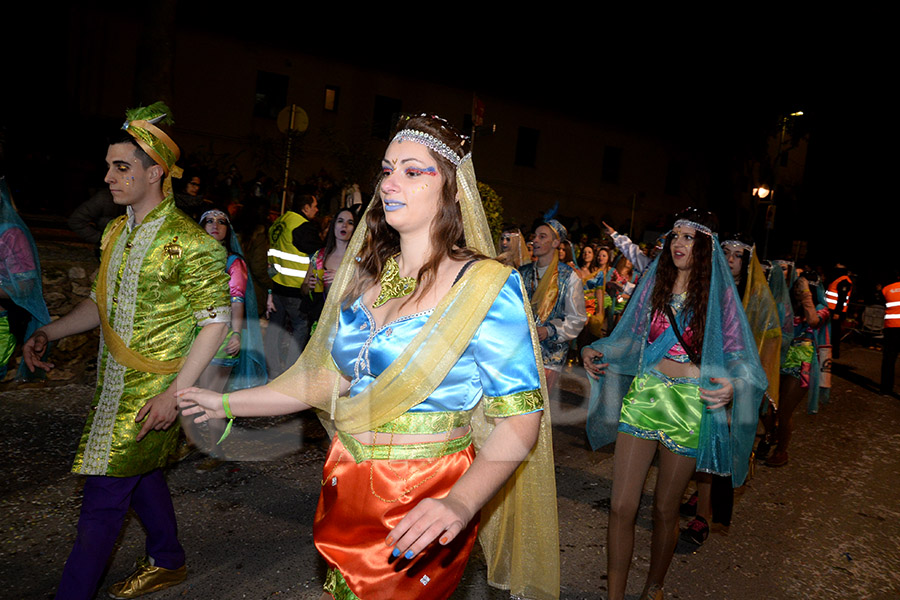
{"x": 715, "y": 494}
{"x": 681, "y": 377}
{"x": 239, "y": 363}
{"x": 426, "y": 364}
{"x": 801, "y": 370}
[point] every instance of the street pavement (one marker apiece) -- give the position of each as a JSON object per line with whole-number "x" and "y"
{"x": 824, "y": 526}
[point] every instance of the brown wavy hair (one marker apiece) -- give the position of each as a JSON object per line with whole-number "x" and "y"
{"x": 382, "y": 241}
{"x": 698, "y": 280}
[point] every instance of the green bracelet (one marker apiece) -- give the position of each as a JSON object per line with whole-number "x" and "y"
{"x": 229, "y": 416}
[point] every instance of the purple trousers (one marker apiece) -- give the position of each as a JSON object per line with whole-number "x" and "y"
{"x": 106, "y": 501}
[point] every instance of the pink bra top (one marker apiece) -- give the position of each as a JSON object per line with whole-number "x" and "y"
{"x": 660, "y": 323}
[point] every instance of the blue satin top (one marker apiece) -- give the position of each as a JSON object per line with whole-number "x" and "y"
{"x": 499, "y": 362}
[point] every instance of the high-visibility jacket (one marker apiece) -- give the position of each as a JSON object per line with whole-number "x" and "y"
{"x": 831, "y": 296}
{"x": 892, "y": 305}
{"x": 290, "y": 264}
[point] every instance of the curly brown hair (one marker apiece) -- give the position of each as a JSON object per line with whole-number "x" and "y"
{"x": 382, "y": 241}
{"x": 698, "y": 280}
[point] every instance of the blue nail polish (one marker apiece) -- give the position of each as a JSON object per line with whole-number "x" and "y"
{"x": 408, "y": 555}
{"x": 396, "y": 552}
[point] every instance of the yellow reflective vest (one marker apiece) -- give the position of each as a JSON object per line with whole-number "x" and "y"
{"x": 290, "y": 264}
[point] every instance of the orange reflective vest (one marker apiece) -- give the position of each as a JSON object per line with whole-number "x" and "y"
{"x": 831, "y": 296}
{"x": 892, "y": 305}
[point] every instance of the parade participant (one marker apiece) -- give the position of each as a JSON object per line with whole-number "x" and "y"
{"x": 160, "y": 277}
{"x": 293, "y": 238}
{"x": 418, "y": 336}
{"x": 684, "y": 353}
{"x": 632, "y": 251}
{"x": 514, "y": 251}
{"x": 557, "y": 297}
{"x": 715, "y": 494}
{"x": 597, "y": 302}
{"x": 327, "y": 260}
{"x": 837, "y": 298}
{"x": 22, "y": 307}
{"x": 800, "y": 366}
{"x": 891, "y": 349}
{"x": 239, "y": 362}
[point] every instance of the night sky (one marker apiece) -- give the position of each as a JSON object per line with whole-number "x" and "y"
{"x": 718, "y": 89}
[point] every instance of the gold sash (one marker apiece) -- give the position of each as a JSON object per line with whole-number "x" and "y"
{"x": 120, "y": 351}
{"x": 547, "y": 291}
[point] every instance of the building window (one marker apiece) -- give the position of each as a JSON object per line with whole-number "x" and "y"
{"x": 612, "y": 164}
{"x": 673, "y": 178}
{"x": 526, "y": 147}
{"x": 271, "y": 94}
{"x": 385, "y": 115}
{"x": 332, "y": 92}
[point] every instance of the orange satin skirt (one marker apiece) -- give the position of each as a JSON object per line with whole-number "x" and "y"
{"x": 358, "y": 507}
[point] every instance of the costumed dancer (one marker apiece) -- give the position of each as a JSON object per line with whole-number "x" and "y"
{"x": 327, "y": 259}
{"x": 422, "y": 346}
{"x": 556, "y": 295}
{"x": 686, "y": 357}
{"x": 513, "y": 249}
{"x": 239, "y": 362}
{"x": 160, "y": 277}
{"x": 801, "y": 369}
{"x": 715, "y": 494}
{"x": 596, "y": 300}
{"x": 22, "y": 307}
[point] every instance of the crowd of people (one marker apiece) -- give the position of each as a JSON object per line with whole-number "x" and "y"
{"x": 429, "y": 364}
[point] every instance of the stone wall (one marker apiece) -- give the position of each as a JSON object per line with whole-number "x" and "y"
{"x": 68, "y": 269}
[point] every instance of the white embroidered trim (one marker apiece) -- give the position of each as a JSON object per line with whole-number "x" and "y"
{"x": 220, "y": 314}
{"x": 95, "y": 460}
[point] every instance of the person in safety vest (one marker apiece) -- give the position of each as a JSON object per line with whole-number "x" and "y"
{"x": 837, "y": 297}
{"x": 891, "y": 334}
{"x": 293, "y": 238}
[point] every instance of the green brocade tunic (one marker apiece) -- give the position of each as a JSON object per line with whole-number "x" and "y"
{"x": 166, "y": 276}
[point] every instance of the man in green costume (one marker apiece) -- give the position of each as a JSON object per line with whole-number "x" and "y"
{"x": 160, "y": 277}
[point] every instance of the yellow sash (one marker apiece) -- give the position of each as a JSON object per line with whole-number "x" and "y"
{"x": 120, "y": 351}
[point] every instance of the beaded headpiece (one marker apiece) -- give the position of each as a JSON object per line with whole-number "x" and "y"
{"x": 695, "y": 225}
{"x": 215, "y": 212}
{"x": 558, "y": 228}
{"x": 429, "y": 141}
{"x": 737, "y": 244}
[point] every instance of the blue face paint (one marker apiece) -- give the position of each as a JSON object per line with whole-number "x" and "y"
{"x": 392, "y": 205}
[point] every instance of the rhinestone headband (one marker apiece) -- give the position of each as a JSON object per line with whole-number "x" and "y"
{"x": 213, "y": 213}
{"x": 429, "y": 141}
{"x": 695, "y": 225}
{"x": 738, "y": 244}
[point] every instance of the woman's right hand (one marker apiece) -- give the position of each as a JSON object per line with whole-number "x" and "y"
{"x": 204, "y": 403}
{"x": 327, "y": 277}
{"x": 591, "y": 360}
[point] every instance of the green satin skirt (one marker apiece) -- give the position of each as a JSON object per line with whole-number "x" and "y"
{"x": 664, "y": 409}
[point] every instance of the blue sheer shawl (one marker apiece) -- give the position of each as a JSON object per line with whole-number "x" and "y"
{"x": 251, "y": 368}
{"x": 729, "y": 350}
{"x": 22, "y": 285}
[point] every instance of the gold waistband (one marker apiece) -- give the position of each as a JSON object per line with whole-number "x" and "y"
{"x": 362, "y": 452}
{"x": 426, "y": 422}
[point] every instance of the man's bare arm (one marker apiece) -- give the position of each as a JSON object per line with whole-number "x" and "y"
{"x": 84, "y": 317}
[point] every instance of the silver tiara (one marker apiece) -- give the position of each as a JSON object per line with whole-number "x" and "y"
{"x": 695, "y": 225}
{"x": 737, "y": 243}
{"x": 428, "y": 140}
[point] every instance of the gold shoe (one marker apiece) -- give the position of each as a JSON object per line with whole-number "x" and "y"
{"x": 146, "y": 579}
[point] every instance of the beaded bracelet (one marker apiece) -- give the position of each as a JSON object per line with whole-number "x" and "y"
{"x": 229, "y": 416}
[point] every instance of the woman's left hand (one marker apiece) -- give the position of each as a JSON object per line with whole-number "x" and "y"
{"x": 432, "y": 518}
{"x": 718, "y": 397}
{"x": 233, "y": 347}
